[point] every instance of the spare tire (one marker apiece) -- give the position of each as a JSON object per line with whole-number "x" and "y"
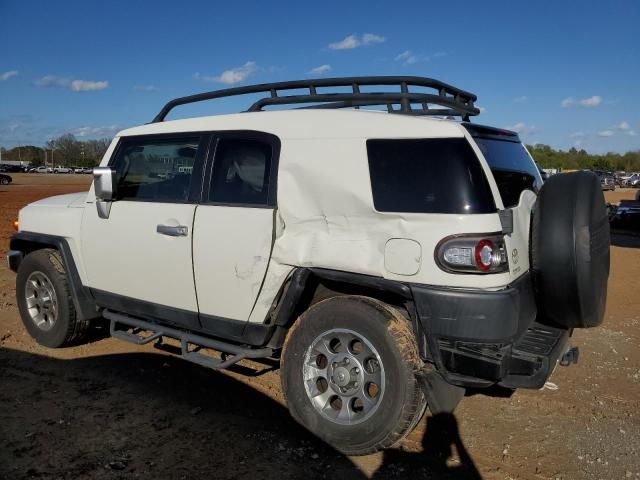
{"x": 570, "y": 250}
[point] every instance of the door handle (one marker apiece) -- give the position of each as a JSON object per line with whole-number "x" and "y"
{"x": 179, "y": 231}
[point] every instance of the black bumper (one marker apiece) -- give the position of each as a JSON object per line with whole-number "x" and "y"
{"x": 481, "y": 338}
{"x": 14, "y": 257}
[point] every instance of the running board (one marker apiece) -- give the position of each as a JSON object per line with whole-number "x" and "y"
{"x": 157, "y": 332}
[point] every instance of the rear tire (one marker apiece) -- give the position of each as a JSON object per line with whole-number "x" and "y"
{"x": 382, "y": 399}
{"x": 45, "y": 302}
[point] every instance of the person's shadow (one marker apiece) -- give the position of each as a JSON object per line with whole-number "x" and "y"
{"x": 437, "y": 458}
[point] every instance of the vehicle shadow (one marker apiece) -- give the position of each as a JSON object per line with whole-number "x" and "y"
{"x": 147, "y": 415}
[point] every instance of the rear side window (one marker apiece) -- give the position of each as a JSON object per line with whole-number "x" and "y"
{"x": 440, "y": 175}
{"x": 512, "y": 168}
{"x": 156, "y": 169}
{"x": 241, "y": 172}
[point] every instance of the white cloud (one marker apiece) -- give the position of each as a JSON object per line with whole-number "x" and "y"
{"x": 605, "y": 133}
{"x": 409, "y": 58}
{"x": 593, "y": 101}
{"x": 7, "y": 75}
{"x": 146, "y": 88}
{"x": 52, "y": 81}
{"x": 631, "y": 133}
{"x": 623, "y": 126}
{"x": 75, "y": 85}
{"x": 346, "y": 44}
{"x": 520, "y": 99}
{"x": 88, "y": 85}
{"x": 354, "y": 41}
{"x": 231, "y": 76}
{"x": 577, "y": 135}
{"x": 94, "y": 131}
{"x": 369, "y": 38}
{"x": 321, "y": 70}
{"x": 567, "y": 102}
{"x": 522, "y": 128}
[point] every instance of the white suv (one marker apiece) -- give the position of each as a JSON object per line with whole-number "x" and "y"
{"x": 389, "y": 259}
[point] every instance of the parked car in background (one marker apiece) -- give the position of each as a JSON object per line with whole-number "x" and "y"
{"x": 61, "y": 169}
{"x": 5, "y": 179}
{"x": 633, "y": 181}
{"x": 11, "y": 168}
{"x": 41, "y": 169}
{"x": 543, "y": 174}
{"x": 607, "y": 181}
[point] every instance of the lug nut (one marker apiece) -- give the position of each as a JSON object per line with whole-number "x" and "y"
{"x": 355, "y": 384}
{"x": 335, "y": 364}
{"x": 346, "y": 360}
{"x": 357, "y": 370}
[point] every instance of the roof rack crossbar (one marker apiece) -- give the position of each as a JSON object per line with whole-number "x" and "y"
{"x": 458, "y": 102}
{"x": 404, "y": 99}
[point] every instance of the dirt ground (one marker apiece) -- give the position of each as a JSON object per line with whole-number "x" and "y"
{"x": 111, "y": 410}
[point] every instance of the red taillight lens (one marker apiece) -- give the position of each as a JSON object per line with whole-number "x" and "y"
{"x": 484, "y": 254}
{"x": 16, "y": 225}
{"x": 472, "y": 254}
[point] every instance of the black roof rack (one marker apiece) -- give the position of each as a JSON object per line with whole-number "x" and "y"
{"x": 456, "y": 102}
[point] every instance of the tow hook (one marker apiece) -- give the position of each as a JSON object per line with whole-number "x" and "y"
{"x": 570, "y": 356}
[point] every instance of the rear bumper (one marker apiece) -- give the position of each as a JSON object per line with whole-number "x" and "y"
{"x": 481, "y": 338}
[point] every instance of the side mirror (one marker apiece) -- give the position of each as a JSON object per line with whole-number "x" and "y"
{"x": 104, "y": 183}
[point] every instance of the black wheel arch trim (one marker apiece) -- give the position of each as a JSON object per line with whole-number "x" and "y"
{"x": 27, "y": 242}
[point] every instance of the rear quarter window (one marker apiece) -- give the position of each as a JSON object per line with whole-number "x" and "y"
{"x": 440, "y": 175}
{"x": 512, "y": 168}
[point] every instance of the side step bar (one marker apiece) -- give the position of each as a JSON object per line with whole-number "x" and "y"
{"x": 158, "y": 331}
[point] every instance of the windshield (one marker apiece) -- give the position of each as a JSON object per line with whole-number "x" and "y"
{"x": 512, "y": 168}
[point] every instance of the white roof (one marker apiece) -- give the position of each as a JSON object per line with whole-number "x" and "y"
{"x": 309, "y": 124}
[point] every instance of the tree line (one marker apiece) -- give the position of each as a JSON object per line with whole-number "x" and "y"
{"x": 574, "y": 159}
{"x": 65, "y": 150}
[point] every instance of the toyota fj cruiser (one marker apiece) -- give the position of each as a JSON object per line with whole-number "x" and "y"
{"x": 389, "y": 259}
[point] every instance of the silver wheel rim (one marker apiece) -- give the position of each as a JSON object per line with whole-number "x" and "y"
{"x": 343, "y": 376}
{"x": 41, "y": 299}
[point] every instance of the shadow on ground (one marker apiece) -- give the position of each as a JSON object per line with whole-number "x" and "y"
{"x": 144, "y": 415}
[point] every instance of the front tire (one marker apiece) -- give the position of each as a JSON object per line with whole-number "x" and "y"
{"x": 348, "y": 374}
{"x": 45, "y": 302}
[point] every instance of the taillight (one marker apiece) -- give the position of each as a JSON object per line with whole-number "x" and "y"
{"x": 16, "y": 225}
{"x": 472, "y": 254}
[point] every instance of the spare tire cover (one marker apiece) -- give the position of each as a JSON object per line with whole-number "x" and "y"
{"x": 570, "y": 250}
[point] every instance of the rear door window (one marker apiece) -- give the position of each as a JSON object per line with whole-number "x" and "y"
{"x": 439, "y": 175}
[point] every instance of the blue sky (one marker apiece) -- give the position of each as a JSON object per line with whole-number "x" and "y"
{"x": 560, "y": 73}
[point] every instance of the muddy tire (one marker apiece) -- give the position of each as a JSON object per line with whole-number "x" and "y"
{"x": 45, "y": 302}
{"x": 349, "y": 374}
